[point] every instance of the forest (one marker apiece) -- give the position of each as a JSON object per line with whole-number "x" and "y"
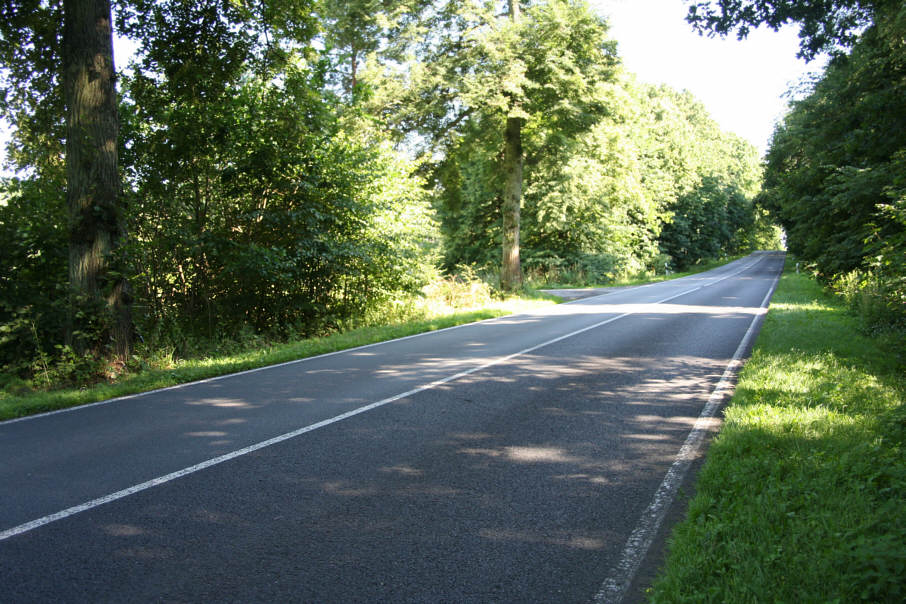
{"x": 288, "y": 168}
{"x": 835, "y": 172}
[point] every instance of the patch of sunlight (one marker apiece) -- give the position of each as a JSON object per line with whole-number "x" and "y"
{"x": 806, "y": 422}
{"x": 402, "y": 470}
{"x": 656, "y": 308}
{"x": 539, "y": 454}
{"x": 582, "y": 542}
{"x": 680, "y": 420}
{"x": 123, "y": 530}
{"x": 650, "y": 437}
{"x": 222, "y": 402}
{"x": 525, "y": 454}
{"x": 814, "y": 305}
{"x": 590, "y": 478}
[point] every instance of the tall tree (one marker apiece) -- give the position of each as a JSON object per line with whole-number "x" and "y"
{"x": 58, "y": 81}
{"x": 523, "y": 77}
{"x": 93, "y": 180}
{"x": 511, "y": 267}
{"x": 355, "y": 30}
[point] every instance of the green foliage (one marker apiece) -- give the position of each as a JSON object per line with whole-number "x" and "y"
{"x": 264, "y": 196}
{"x": 706, "y": 223}
{"x": 33, "y": 283}
{"x": 824, "y": 24}
{"x": 801, "y": 496}
{"x": 834, "y": 172}
{"x": 479, "y": 73}
{"x": 252, "y": 207}
{"x": 655, "y": 175}
{"x": 444, "y": 302}
{"x": 460, "y": 289}
{"x": 280, "y": 220}
{"x": 31, "y": 39}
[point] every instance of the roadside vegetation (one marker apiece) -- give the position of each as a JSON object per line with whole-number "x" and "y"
{"x": 801, "y": 497}
{"x": 574, "y": 277}
{"x": 445, "y": 302}
{"x": 448, "y": 301}
{"x": 298, "y": 169}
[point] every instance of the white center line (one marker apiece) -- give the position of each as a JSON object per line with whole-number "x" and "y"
{"x": 614, "y": 588}
{"x": 82, "y": 507}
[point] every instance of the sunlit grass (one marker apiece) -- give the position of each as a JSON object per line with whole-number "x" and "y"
{"x": 802, "y": 496}
{"x": 159, "y": 369}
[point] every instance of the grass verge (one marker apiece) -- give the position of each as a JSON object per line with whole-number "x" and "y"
{"x": 801, "y": 498}
{"x": 14, "y": 405}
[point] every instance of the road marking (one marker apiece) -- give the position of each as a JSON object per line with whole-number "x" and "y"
{"x": 227, "y": 376}
{"x": 39, "y": 522}
{"x": 614, "y": 588}
{"x": 324, "y": 355}
{"x": 680, "y": 280}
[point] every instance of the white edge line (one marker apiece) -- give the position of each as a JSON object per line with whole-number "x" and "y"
{"x": 614, "y": 588}
{"x": 216, "y": 378}
{"x": 254, "y": 370}
{"x": 28, "y": 526}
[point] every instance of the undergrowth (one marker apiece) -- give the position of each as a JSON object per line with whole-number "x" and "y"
{"x": 67, "y": 379}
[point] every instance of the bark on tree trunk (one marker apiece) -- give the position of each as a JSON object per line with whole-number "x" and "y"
{"x": 100, "y": 296}
{"x": 511, "y": 268}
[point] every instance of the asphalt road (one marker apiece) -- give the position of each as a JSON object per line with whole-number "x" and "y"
{"x": 510, "y": 460}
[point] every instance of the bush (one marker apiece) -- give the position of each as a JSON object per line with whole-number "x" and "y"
{"x": 463, "y": 289}
{"x": 878, "y": 300}
{"x": 33, "y": 284}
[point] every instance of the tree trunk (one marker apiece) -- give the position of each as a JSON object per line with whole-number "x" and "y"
{"x": 511, "y": 268}
{"x": 100, "y": 297}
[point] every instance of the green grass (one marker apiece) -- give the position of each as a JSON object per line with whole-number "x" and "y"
{"x": 803, "y": 495}
{"x": 14, "y": 405}
{"x": 448, "y": 302}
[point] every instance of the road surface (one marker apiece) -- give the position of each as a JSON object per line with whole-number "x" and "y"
{"x": 522, "y": 459}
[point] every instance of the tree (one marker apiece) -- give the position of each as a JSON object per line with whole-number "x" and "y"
{"x": 511, "y": 268}
{"x": 92, "y": 177}
{"x": 355, "y": 30}
{"x": 253, "y": 199}
{"x": 527, "y": 74}
{"x": 262, "y": 202}
{"x": 654, "y": 175}
{"x": 826, "y": 25}
{"x": 59, "y": 85}
{"x": 832, "y": 165}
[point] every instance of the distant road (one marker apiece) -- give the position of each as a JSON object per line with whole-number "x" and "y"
{"x": 513, "y": 460}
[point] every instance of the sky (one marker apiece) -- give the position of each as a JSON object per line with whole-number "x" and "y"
{"x": 741, "y": 82}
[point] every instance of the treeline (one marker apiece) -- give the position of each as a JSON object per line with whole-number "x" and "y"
{"x": 834, "y": 172}
{"x": 288, "y": 167}
{"x": 836, "y": 169}
{"x": 654, "y": 183}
